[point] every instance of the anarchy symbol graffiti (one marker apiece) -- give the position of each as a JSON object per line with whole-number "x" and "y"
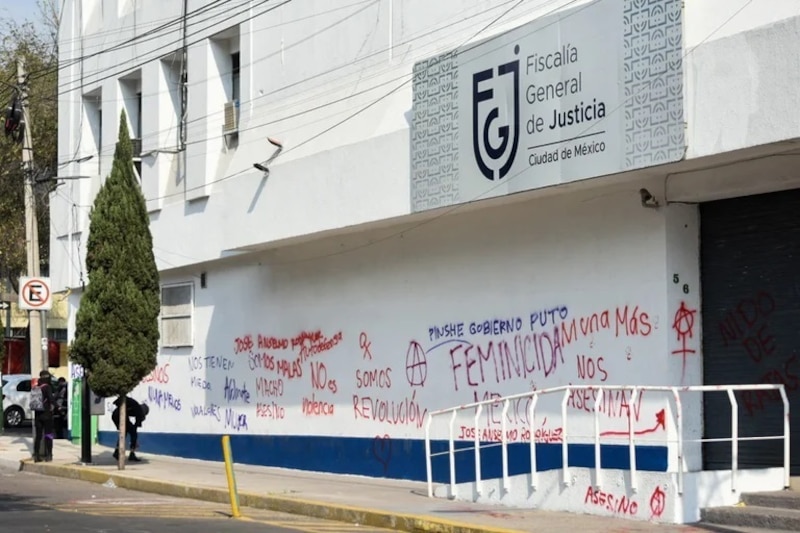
{"x": 416, "y": 365}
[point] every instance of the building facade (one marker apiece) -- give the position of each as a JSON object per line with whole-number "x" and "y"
{"x": 366, "y": 212}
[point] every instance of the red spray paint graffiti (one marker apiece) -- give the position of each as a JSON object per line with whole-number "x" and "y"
{"x": 619, "y": 505}
{"x": 658, "y": 502}
{"x": 660, "y": 424}
{"x": 683, "y": 325}
{"x": 365, "y": 344}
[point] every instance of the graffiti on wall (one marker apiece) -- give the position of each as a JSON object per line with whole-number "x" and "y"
{"x": 684, "y": 327}
{"x": 747, "y": 327}
{"x": 366, "y": 383}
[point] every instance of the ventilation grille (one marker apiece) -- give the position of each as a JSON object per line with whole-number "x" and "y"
{"x": 231, "y": 124}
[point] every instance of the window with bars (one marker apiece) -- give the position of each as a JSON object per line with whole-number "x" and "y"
{"x": 177, "y": 306}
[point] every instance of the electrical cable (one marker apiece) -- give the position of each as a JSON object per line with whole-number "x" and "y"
{"x": 368, "y": 106}
{"x": 158, "y": 53}
{"x": 105, "y": 150}
{"x": 456, "y": 207}
{"x": 133, "y": 40}
{"x": 451, "y": 209}
{"x": 316, "y": 96}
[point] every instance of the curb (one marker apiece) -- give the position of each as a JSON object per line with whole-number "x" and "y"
{"x": 327, "y": 511}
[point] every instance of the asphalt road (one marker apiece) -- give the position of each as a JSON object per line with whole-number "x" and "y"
{"x": 33, "y": 503}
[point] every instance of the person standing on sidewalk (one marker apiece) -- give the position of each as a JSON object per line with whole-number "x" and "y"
{"x": 42, "y": 404}
{"x": 135, "y": 410}
{"x": 60, "y": 414}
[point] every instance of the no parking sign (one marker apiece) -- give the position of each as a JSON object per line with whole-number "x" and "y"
{"x": 34, "y": 294}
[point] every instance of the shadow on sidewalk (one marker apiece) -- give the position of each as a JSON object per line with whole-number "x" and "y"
{"x": 27, "y": 441}
{"x": 106, "y": 458}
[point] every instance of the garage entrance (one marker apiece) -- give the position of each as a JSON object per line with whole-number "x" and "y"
{"x": 750, "y": 273}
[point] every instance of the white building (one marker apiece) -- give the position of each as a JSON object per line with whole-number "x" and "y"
{"x": 319, "y": 310}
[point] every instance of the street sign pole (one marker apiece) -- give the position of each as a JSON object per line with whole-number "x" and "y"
{"x": 86, "y": 421}
{"x": 31, "y": 224}
{"x": 7, "y": 307}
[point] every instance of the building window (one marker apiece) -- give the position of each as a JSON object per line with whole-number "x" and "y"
{"x": 93, "y": 124}
{"x": 131, "y": 89}
{"x": 177, "y": 304}
{"x": 58, "y": 335}
{"x": 225, "y": 51}
{"x": 235, "y": 77}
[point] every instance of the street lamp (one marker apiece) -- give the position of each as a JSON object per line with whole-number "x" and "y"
{"x": 79, "y": 160}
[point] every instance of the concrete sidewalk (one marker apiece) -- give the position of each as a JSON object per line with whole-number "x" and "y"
{"x": 398, "y": 505}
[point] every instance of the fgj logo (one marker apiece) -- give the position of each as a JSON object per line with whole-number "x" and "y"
{"x": 495, "y": 118}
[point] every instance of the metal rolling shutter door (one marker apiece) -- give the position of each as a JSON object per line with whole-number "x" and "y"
{"x": 750, "y": 271}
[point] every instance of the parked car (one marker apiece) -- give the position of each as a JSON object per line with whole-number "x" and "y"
{"x": 16, "y": 399}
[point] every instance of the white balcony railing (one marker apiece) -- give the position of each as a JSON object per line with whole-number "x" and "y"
{"x": 675, "y": 392}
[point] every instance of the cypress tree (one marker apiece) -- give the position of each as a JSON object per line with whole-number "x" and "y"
{"x": 116, "y": 329}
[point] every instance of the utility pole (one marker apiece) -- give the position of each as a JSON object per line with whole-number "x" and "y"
{"x": 31, "y": 223}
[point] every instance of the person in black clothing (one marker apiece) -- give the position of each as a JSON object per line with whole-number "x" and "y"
{"x": 43, "y": 420}
{"x": 133, "y": 409}
{"x": 60, "y": 414}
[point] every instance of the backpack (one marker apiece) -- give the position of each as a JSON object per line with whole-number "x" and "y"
{"x": 37, "y": 399}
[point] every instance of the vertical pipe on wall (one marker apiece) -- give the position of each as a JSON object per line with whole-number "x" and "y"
{"x": 70, "y": 225}
{"x": 184, "y": 88}
{"x": 452, "y": 453}
{"x": 786, "y": 441}
{"x": 632, "y": 441}
{"x": 532, "y": 426}
{"x": 478, "y": 411}
{"x": 734, "y": 437}
{"x": 504, "y": 444}
{"x": 564, "y": 447}
{"x": 391, "y": 30}
{"x": 679, "y": 423}
{"x": 598, "y": 464}
{"x": 428, "y": 465}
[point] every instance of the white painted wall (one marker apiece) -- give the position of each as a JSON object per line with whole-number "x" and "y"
{"x": 517, "y": 262}
{"x": 657, "y": 498}
{"x": 326, "y": 81}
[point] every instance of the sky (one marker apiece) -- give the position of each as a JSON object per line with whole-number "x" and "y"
{"x": 19, "y": 10}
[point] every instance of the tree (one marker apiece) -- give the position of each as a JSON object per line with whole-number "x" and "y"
{"x": 38, "y": 46}
{"x": 116, "y": 329}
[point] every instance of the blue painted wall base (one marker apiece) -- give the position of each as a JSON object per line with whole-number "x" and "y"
{"x": 392, "y": 458}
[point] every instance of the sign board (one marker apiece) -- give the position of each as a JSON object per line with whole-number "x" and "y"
{"x": 97, "y": 404}
{"x": 45, "y": 344}
{"x": 4, "y": 306}
{"x": 589, "y": 91}
{"x": 34, "y": 294}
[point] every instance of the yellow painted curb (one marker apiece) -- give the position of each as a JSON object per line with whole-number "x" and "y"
{"x": 327, "y": 511}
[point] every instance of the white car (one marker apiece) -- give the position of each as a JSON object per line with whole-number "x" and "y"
{"x": 16, "y": 399}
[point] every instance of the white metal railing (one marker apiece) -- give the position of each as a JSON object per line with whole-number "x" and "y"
{"x": 601, "y": 389}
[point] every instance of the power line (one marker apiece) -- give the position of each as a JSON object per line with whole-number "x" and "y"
{"x": 159, "y": 53}
{"x": 318, "y": 96}
{"x": 133, "y": 40}
{"x": 334, "y": 69}
{"x": 74, "y": 231}
{"x": 452, "y": 209}
{"x": 368, "y": 106}
{"x": 200, "y": 81}
{"x": 459, "y": 206}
